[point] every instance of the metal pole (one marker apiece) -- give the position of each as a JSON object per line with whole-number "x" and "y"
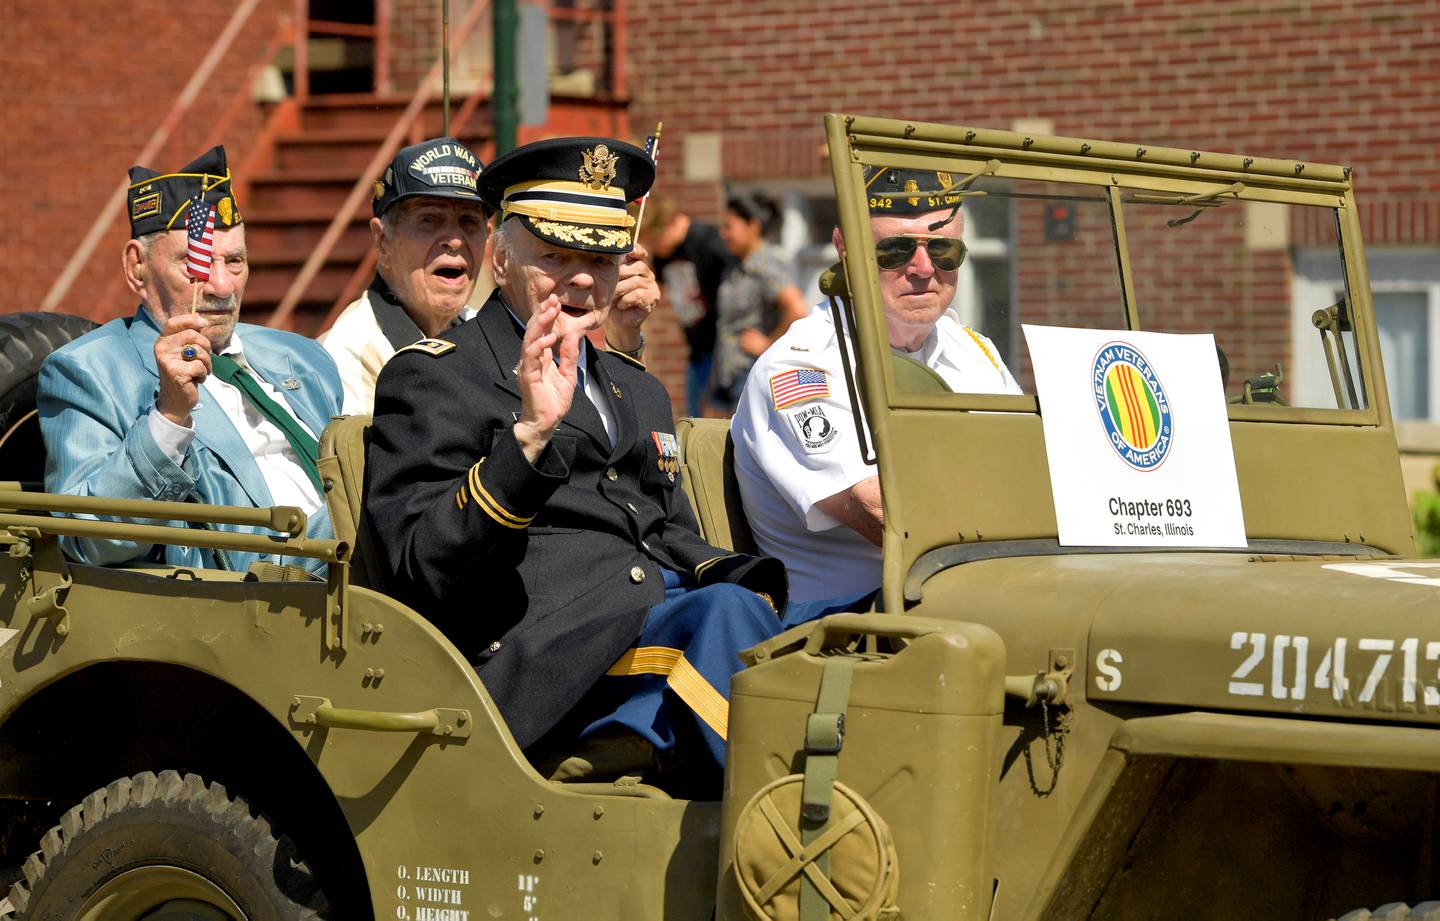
{"x": 506, "y": 114}
{"x": 445, "y": 68}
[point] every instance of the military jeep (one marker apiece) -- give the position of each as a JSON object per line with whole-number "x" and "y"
{"x": 1021, "y": 729}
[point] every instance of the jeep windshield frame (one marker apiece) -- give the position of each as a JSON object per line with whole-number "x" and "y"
{"x": 1308, "y": 475}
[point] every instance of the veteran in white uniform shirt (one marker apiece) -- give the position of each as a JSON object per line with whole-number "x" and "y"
{"x": 810, "y": 499}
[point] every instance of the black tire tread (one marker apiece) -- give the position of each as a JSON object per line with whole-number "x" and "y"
{"x": 231, "y": 815}
{"x": 26, "y": 338}
{"x": 1396, "y": 911}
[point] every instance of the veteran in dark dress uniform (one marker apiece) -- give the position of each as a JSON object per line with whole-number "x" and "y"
{"x": 524, "y": 485}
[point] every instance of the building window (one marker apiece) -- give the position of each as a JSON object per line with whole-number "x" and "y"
{"x": 1405, "y": 284}
{"x": 983, "y": 299}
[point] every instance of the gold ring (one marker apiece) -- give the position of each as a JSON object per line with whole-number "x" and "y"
{"x": 189, "y": 353}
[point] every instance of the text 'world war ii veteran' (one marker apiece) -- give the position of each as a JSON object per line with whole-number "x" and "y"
{"x": 524, "y": 485}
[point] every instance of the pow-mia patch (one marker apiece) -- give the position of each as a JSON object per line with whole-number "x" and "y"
{"x": 145, "y": 206}
{"x": 817, "y": 433}
{"x": 432, "y": 347}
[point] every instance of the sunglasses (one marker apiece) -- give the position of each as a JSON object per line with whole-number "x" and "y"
{"x": 896, "y": 252}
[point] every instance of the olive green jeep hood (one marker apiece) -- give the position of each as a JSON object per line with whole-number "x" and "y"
{"x": 1347, "y": 637}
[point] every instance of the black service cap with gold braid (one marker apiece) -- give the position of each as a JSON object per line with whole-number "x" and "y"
{"x": 892, "y": 190}
{"x": 159, "y": 201}
{"x": 571, "y": 192}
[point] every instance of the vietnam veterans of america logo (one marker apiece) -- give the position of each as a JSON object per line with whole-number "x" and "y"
{"x": 1132, "y": 405}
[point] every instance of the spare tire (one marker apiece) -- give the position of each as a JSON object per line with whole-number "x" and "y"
{"x": 25, "y": 341}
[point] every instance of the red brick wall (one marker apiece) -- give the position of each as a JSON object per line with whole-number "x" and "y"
{"x": 1343, "y": 81}
{"x": 83, "y": 96}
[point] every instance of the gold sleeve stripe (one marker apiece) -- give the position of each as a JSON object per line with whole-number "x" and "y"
{"x": 700, "y": 570}
{"x": 682, "y": 677}
{"x": 488, "y": 504}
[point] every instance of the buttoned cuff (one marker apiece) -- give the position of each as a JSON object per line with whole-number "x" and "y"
{"x": 161, "y": 475}
{"x": 763, "y": 575}
{"x": 170, "y": 438}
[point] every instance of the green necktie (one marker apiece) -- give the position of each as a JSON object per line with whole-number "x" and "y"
{"x": 306, "y": 447}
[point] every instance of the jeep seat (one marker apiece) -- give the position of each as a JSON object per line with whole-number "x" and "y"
{"x": 707, "y": 470}
{"x": 342, "y": 471}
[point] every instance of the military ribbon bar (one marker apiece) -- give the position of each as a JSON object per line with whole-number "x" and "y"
{"x": 790, "y": 387}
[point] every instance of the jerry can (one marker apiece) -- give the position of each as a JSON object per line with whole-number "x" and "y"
{"x": 862, "y": 763}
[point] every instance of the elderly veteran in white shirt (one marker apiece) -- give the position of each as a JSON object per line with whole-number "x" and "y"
{"x": 429, "y": 229}
{"x": 810, "y": 499}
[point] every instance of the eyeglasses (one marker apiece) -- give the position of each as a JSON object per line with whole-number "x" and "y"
{"x": 896, "y": 252}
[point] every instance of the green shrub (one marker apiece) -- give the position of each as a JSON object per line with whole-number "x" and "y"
{"x": 1425, "y": 509}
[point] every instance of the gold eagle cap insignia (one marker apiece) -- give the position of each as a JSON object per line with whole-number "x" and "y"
{"x": 598, "y": 170}
{"x": 912, "y": 186}
{"x": 946, "y": 180}
{"x": 226, "y": 211}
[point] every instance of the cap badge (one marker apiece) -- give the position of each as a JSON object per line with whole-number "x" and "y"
{"x": 379, "y": 190}
{"x": 945, "y": 179}
{"x": 912, "y": 186}
{"x": 226, "y": 209}
{"x": 598, "y": 170}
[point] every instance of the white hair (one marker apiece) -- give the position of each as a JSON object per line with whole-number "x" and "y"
{"x": 503, "y": 238}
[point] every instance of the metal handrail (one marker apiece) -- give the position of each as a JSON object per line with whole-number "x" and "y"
{"x": 115, "y": 204}
{"x": 331, "y": 551}
{"x": 360, "y": 192}
{"x": 360, "y": 278}
{"x": 283, "y": 518}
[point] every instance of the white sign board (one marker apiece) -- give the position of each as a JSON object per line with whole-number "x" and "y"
{"x": 1137, "y": 437}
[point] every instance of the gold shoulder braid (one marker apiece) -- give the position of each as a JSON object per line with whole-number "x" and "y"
{"x": 983, "y": 347}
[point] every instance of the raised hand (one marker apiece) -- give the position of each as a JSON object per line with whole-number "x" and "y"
{"x": 636, "y": 295}
{"x": 180, "y": 374}
{"x": 546, "y": 387}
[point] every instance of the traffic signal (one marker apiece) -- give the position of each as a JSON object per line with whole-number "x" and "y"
{"x": 1059, "y": 222}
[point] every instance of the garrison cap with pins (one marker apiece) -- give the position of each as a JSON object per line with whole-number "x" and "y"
{"x": 571, "y": 192}
{"x": 159, "y": 201}
{"x": 892, "y": 190}
{"x": 437, "y": 168}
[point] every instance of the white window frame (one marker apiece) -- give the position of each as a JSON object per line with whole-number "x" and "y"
{"x": 1392, "y": 270}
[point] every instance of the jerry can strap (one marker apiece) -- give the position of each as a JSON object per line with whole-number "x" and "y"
{"x": 824, "y": 738}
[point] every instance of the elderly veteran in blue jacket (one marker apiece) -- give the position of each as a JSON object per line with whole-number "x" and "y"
{"x": 183, "y": 406}
{"x": 524, "y": 485}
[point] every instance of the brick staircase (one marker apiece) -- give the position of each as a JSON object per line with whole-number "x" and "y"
{"x": 300, "y": 183}
{"x": 292, "y": 199}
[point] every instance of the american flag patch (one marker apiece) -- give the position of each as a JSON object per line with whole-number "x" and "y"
{"x": 790, "y": 387}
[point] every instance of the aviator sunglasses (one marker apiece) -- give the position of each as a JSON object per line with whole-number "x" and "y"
{"x": 896, "y": 252}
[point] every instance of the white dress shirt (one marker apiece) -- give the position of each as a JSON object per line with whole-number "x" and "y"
{"x": 795, "y": 448}
{"x": 286, "y": 479}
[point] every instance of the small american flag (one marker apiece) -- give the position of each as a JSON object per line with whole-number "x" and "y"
{"x": 200, "y": 232}
{"x": 652, "y": 150}
{"x": 790, "y": 387}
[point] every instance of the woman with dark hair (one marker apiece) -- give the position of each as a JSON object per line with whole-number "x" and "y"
{"x": 758, "y": 300}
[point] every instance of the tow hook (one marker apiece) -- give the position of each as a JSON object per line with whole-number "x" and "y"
{"x": 1049, "y": 686}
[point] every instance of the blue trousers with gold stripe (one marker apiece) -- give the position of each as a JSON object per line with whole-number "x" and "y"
{"x": 679, "y": 670}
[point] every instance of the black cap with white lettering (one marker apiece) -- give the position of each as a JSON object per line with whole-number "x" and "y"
{"x": 437, "y": 168}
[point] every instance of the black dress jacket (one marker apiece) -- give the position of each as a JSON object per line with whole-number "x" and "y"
{"x": 542, "y": 575}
